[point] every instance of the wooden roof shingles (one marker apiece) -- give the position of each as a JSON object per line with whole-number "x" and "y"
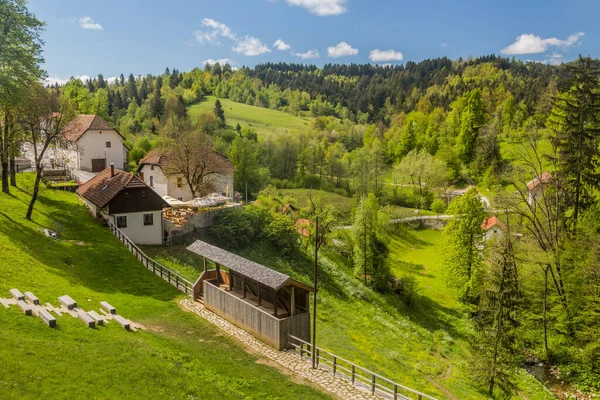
{"x": 268, "y": 277}
{"x": 102, "y": 188}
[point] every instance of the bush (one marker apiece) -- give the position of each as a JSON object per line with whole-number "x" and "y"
{"x": 238, "y": 227}
{"x": 407, "y": 288}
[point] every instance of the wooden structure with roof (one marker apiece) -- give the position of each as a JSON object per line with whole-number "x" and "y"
{"x": 266, "y": 303}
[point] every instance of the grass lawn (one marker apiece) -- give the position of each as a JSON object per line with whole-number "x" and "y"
{"x": 264, "y": 120}
{"x": 179, "y": 356}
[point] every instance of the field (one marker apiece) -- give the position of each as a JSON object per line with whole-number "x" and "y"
{"x": 423, "y": 345}
{"x": 178, "y": 355}
{"x": 265, "y": 121}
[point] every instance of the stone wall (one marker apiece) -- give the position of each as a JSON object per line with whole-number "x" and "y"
{"x": 189, "y": 231}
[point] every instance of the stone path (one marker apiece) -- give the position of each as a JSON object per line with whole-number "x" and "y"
{"x": 290, "y": 360}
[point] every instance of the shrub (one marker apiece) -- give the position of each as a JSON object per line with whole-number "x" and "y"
{"x": 407, "y": 288}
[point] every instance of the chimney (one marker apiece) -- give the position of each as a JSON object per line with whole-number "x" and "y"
{"x": 112, "y": 170}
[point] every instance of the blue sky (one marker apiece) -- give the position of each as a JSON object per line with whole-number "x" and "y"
{"x": 123, "y": 36}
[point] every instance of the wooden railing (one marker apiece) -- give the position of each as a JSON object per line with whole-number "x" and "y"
{"x": 357, "y": 375}
{"x": 160, "y": 270}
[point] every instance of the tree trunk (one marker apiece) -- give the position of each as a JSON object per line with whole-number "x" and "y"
{"x": 4, "y": 155}
{"x": 545, "y": 310}
{"x": 13, "y": 169}
{"x": 36, "y": 188}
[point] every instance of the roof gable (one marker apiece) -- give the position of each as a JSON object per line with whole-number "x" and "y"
{"x": 102, "y": 188}
{"x": 82, "y": 123}
{"x": 158, "y": 157}
{"x": 545, "y": 178}
{"x": 489, "y": 223}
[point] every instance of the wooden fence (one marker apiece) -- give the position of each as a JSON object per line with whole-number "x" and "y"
{"x": 165, "y": 273}
{"x": 357, "y": 375}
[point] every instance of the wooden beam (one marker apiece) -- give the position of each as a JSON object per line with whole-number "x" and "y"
{"x": 274, "y": 302}
{"x": 293, "y": 301}
{"x": 230, "y": 280}
{"x": 204, "y": 259}
{"x": 243, "y": 287}
{"x": 259, "y": 298}
{"x": 218, "y": 274}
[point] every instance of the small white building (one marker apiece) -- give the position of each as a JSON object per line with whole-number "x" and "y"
{"x": 492, "y": 228}
{"x": 153, "y": 168}
{"x": 88, "y": 144}
{"x": 537, "y": 186}
{"x": 129, "y": 203}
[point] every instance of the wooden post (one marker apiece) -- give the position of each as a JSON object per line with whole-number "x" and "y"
{"x": 353, "y": 373}
{"x": 293, "y": 301}
{"x": 204, "y": 259}
{"x": 230, "y": 280}
{"x": 318, "y": 353}
{"x": 334, "y": 364}
{"x": 301, "y": 349}
{"x": 373, "y": 383}
{"x": 218, "y": 274}
{"x": 275, "y": 302}
{"x": 259, "y": 297}
{"x": 243, "y": 287}
{"x": 314, "y": 332}
{"x": 395, "y": 392}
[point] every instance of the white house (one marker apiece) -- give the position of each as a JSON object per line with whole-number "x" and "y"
{"x": 492, "y": 228}
{"x": 537, "y": 186}
{"x": 88, "y": 144}
{"x": 129, "y": 203}
{"x": 152, "y": 170}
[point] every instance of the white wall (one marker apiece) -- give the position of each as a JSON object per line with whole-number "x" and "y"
{"x": 495, "y": 232}
{"x": 137, "y": 232}
{"x": 92, "y": 145}
{"x": 159, "y": 179}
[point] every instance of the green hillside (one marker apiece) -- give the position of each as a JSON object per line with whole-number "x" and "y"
{"x": 264, "y": 120}
{"x": 179, "y": 355}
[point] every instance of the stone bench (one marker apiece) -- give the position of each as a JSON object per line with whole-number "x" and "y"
{"x": 109, "y": 309}
{"x": 96, "y": 317}
{"x": 17, "y": 294}
{"x": 89, "y": 321}
{"x": 26, "y": 308}
{"x": 124, "y": 323}
{"x": 68, "y": 302}
{"x": 48, "y": 318}
{"x": 32, "y": 298}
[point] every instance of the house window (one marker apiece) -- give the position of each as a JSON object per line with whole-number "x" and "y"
{"x": 152, "y": 167}
{"x": 151, "y": 181}
{"x": 126, "y": 195}
{"x": 179, "y": 182}
{"x": 148, "y": 219}
{"x": 108, "y": 145}
{"x": 122, "y": 222}
{"x": 143, "y": 193}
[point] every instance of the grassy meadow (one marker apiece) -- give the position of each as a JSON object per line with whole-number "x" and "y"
{"x": 264, "y": 121}
{"x": 178, "y": 355}
{"x": 423, "y": 345}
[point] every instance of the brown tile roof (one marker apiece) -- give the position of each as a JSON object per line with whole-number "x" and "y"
{"x": 102, "y": 188}
{"x": 545, "y": 178}
{"x": 83, "y": 123}
{"x": 157, "y": 157}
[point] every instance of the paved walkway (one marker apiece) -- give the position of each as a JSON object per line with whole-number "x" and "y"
{"x": 288, "y": 359}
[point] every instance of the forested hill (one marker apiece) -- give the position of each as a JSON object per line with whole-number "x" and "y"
{"x": 365, "y": 88}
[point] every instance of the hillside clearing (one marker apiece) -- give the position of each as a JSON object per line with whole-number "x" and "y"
{"x": 178, "y": 356}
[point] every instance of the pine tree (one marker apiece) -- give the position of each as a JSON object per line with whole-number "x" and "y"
{"x": 156, "y": 104}
{"x": 121, "y": 80}
{"x": 470, "y": 123}
{"x": 101, "y": 82}
{"x": 131, "y": 90}
{"x": 219, "y": 112}
{"x": 497, "y": 346}
{"x": 576, "y": 124}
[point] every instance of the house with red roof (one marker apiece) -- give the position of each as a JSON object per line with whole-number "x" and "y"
{"x": 492, "y": 228}
{"x": 537, "y": 186}
{"x": 88, "y": 144}
{"x": 153, "y": 171}
{"x": 126, "y": 201}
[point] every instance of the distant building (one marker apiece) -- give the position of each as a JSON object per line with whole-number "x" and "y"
{"x": 127, "y": 202}
{"x": 492, "y": 228}
{"x": 153, "y": 168}
{"x": 537, "y": 186}
{"x": 89, "y": 144}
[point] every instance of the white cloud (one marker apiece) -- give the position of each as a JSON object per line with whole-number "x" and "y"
{"x": 385, "y": 55}
{"x": 250, "y": 46}
{"x": 555, "y": 59}
{"x": 221, "y": 61}
{"x": 218, "y": 29}
{"x": 321, "y": 7}
{"x": 281, "y": 45}
{"x": 87, "y": 23}
{"x": 443, "y": 45}
{"x": 529, "y": 43}
{"x": 311, "y": 54}
{"x": 53, "y": 79}
{"x": 342, "y": 49}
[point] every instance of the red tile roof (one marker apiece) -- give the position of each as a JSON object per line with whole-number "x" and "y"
{"x": 83, "y": 123}
{"x": 545, "y": 178}
{"x": 303, "y": 227}
{"x": 102, "y": 188}
{"x": 489, "y": 223}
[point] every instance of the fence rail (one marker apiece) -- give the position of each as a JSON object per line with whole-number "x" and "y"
{"x": 160, "y": 270}
{"x": 357, "y": 375}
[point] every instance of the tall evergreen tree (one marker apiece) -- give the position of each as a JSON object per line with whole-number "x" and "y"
{"x": 131, "y": 90}
{"x": 219, "y": 112}
{"x": 576, "y": 124}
